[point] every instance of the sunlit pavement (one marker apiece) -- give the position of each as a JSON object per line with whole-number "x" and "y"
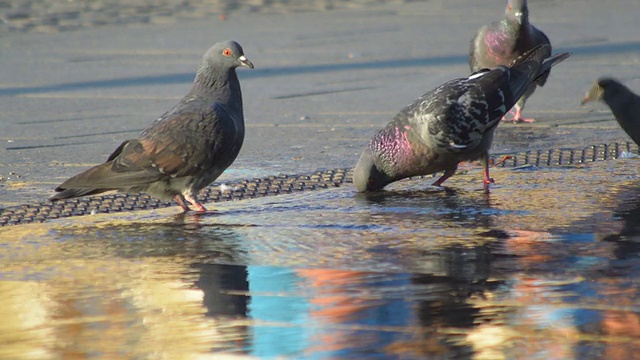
{"x": 544, "y": 266}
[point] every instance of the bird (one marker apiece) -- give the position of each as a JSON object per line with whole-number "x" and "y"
{"x": 501, "y": 42}
{"x": 624, "y": 104}
{"x": 186, "y": 148}
{"x": 451, "y": 123}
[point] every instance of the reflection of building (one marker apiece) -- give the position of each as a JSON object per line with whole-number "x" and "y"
{"x": 25, "y": 312}
{"x": 324, "y": 313}
{"x": 118, "y": 293}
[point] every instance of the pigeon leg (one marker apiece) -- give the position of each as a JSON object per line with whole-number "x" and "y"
{"x": 504, "y": 158}
{"x": 447, "y": 174}
{"x": 485, "y": 163}
{"x": 512, "y": 112}
{"x": 180, "y": 200}
{"x": 192, "y": 199}
{"x": 518, "y": 116}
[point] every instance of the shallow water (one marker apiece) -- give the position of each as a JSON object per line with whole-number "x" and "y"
{"x": 545, "y": 266}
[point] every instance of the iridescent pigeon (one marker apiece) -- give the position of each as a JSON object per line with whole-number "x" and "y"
{"x": 624, "y": 104}
{"x": 501, "y": 42}
{"x": 187, "y": 148}
{"x": 452, "y": 123}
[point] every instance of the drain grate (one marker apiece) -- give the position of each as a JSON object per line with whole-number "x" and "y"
{"x": 244, "y": 189}
{"x": 285, "y": 184}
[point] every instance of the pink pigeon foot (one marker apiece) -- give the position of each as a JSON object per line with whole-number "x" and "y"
{"x": 180, "y": 200}
{"x": 195, "y": 203}
{"x": 512, "y": 112}
{"x": 518, "y": 116}
{"x": 487, "y": 179}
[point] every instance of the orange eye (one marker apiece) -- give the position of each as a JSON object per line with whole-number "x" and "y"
{"x": 226, "y": 52}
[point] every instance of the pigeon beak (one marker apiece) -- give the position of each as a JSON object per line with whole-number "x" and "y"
{"x": 595, "y": 93}
{"x": 518, "y": 16}
{"x": 245, "y": 62}
{"x": 585, "y": 100}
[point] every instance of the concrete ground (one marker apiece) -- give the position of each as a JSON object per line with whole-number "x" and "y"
{"x": 324, "y": 82}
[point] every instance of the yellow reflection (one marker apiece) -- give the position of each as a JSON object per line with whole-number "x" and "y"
{"x": 25, "y": 310}
{"x": 110, "y": 307}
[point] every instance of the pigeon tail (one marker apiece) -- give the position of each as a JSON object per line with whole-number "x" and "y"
{"x": 75, "y": 192}
{"x": 530, "y": 66}
{"x": 103, "y": 177}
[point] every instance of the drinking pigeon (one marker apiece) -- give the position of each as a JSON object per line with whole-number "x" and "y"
{"x": 452, "y": 123}
{"x": 624, "y": 104}
{"x": 501, "y": 42}
{"x": 184, "y": 150}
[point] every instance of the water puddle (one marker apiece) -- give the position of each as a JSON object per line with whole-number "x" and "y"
{"x": 545, "y": 266}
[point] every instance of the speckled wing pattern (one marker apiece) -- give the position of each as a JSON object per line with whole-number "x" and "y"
{"x": 456, "y": 115}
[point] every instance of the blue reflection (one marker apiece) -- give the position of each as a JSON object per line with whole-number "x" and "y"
{"x": 322, "y": 313}
{"x": 279, "y": 306}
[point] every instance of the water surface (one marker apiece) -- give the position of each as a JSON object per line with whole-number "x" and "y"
{"x": 545, "y": 266}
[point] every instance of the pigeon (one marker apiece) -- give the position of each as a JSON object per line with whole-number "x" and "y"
{"x": 624, "y": 104}
{"x": 452, "y": 123}
{"x": 501, "y": 42}
{"x": 184, "y": 150}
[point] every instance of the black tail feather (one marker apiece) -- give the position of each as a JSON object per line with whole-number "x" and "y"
{"x": 73, "y": 193}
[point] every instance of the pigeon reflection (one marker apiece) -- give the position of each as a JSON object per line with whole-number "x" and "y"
{"x": 438, "y": 205}
{"x": 627, "y": 239}
{"x": 339, "y": 313}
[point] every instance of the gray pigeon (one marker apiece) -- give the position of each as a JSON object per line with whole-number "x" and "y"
{"x": 501, "y": 42}
{"x": 187, "y": 148}
{"x": 452, "y": 123}
{"x": 624, "y": 104}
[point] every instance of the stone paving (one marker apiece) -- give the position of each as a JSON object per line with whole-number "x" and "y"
{"x": 324, "y": 80}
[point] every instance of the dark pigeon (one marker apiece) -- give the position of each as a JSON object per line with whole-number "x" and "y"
{"x": 187, "y": 148}
{"x": 452, "y": 123}
{"x": 624, "y": 104}
{"x": 501, "y": 42}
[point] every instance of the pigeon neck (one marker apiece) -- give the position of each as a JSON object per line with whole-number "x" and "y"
{"x": 395, "y": 151}
{"x": 220, "y": 83}
{"x": 513, "y": 24}
{"x": 621, "y": 102}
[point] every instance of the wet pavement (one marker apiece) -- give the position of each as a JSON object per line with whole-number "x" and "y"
{"x": 545, "y": 266}
{"x": 412, "y": 273}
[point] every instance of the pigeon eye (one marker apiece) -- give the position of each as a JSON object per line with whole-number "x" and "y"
{"x": 226, "y": 52}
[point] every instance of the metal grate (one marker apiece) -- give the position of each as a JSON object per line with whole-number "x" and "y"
{"x": 285, "y": 184}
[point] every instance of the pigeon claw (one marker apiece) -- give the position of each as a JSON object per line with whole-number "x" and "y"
{"x": 195, "y": 203}
{"x": 180, "y": 200}
{"x": 504, "y": 158}
{"x": 523, "y": 120}
{"x": 200, "y": 208}
{"x": 517, "y": 118}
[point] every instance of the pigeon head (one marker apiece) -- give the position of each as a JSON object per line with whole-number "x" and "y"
{"x": 226, "y": 53}
{"x": 602, "y": 90}
{"x": 517, "y": 10}
{"x": 367, "y": 176}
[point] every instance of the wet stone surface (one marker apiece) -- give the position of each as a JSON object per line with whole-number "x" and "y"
{"x": 284, "y": 184}
{"x": 410, "y": 273}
